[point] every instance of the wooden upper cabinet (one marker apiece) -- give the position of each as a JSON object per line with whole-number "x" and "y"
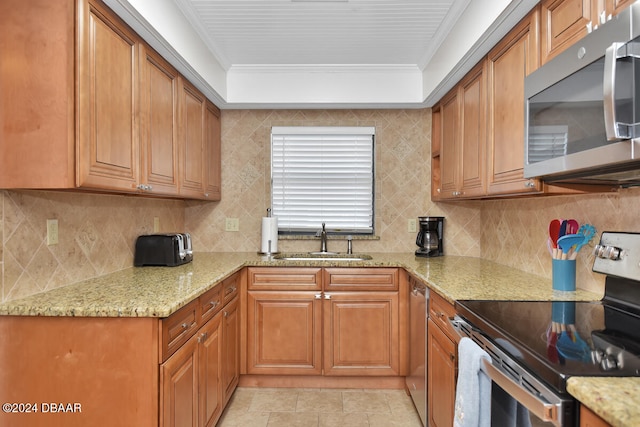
{"x": 450, "y": 146}
{"x": 509, "y": 62}
{"x": 616, "y": 6}
{"x": 96, "y": 108}
{"x": 192, "y": 136}
{"x": 473, "y": 105}
{"x": 436, "y": 141}
{"x": 37, "y": 85}
{"x": 564, "y": 22}
{"x": 213, "y": 154}
{"x": 108, "y": 156}
{"x": 158, "y": 123}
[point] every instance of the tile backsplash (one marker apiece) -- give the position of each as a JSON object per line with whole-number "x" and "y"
{"x": 402, "y": 181}
{"x": 97, "y": 232}
{"x": 96, "y": 236}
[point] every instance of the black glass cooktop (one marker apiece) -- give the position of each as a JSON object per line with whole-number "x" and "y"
{"x": 556, "y": 340}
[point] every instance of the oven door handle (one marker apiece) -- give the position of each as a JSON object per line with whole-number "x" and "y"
{"x": 548, "y": 412}
{"x": 543, "y": 409}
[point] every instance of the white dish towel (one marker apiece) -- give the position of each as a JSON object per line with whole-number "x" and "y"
{"x": 473, "y": 391}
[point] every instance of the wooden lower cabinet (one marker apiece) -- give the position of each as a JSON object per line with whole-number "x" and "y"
{"x": 200, "y": 377}
{"x": 231, "y": 349}
{"x": 296, "y": 326}
{"x": 441, "y": 378}
{"x": 179, "y": 377}
{"x": 210, "y": 368}
{"x": 442, "y": 362}
{"x": 361, "y": 333}
{"x": 589, "y": 418}
{"x": 284, "y": 333}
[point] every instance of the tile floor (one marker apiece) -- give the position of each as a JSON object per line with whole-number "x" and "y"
{"x": 298, "y": 407}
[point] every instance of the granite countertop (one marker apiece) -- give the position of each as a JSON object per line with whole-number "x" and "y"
{"x": 160, "y": 291}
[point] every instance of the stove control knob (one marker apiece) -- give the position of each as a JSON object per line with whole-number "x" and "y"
{"x": 597, "y": 355}
{"x": 609, "y": 363}
{"x": 607, "y": 252}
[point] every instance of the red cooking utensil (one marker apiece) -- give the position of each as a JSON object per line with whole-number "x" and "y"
{"x": 572, "y": 226}
{"x": 554, "y": 232}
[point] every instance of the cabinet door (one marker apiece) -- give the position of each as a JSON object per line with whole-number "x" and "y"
{"x": 441, "y": 378}
{"x": 508, "y": 63}
{"x": 158, "y": 124}
{"x": 213, "y": 157}
{"x": 230, "y": 349}
{"x": 361, "y": 333}
{"x": 473, "y": 137}
{"x": 210, "y": 376}
{"x": 108, "y": 85}
{"x": 616, "y": 6}
{"x": 450, "y": 146}
{"x": 563, "y": 22}
{"x": 590, "y": 419}
{"x": 192, "y": 136}
{"x": 284, "y": 332}
{"x": 179, "y": 379}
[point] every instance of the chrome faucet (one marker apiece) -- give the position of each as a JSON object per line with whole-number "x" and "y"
{"x": 323, "y": 239}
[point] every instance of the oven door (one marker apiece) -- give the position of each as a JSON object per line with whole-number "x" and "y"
{"x": 518, "y": 398}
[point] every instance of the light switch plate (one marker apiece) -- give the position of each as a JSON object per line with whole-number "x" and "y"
{"x": 156, "y": 224}
{"x": 411, "y": 225}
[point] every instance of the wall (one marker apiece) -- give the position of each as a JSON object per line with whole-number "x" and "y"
{"x": 514, "y": 232}
{"x": 97, "y": 232}
{"x": 96, "y": 236}
{"x": 403, "y": 173}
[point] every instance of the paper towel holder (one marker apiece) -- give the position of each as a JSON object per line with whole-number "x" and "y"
{"x": 268, "y": 250}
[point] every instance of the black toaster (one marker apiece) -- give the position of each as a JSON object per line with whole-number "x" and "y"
{"x": 163, "y": 250}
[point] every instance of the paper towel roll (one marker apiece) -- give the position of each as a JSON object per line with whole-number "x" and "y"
{"x": 269, "y": 234}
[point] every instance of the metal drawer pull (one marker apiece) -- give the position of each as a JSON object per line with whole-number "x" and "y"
{"x": 230, "y": 290}
{"x": 185, "y": 325}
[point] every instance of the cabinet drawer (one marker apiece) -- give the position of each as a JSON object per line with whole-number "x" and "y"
{"x": 361, "y": 279}
{"x": 230, "y": 288}
{"x": 210, "y": 303}
{"x": 440, "y": 311}
{"x": 285, "y": 279}
{"x": 178, "y": 328}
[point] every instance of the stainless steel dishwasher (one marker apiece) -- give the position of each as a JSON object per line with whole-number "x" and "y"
{"x": 417, "y": 379}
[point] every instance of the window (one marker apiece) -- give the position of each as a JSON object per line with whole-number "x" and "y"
{"x": 323, "y": 175}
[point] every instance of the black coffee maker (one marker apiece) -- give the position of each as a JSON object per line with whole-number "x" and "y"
{"x": 429, "y": 238}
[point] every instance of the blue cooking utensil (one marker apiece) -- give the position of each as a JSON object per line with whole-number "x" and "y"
{"x": 565, "y": 243}
{"x": 587, "y": 231}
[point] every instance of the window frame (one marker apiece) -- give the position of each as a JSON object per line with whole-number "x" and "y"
{"x": 327, "y": 131}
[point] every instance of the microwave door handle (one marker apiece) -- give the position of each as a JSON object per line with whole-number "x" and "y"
{"x": 546, "y": 411}
{"x": 609, "y": 92}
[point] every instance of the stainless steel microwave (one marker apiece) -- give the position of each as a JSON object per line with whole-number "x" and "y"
{"x": 582, "y": 108}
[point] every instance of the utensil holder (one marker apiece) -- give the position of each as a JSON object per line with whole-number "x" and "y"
{"x": 563, "y": 274}
{"x": 563, "y": 312}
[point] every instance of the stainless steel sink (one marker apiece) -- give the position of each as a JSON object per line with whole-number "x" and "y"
{"x": 322, "y": 256}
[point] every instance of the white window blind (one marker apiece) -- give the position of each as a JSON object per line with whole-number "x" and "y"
{"x": 323, "y": 175}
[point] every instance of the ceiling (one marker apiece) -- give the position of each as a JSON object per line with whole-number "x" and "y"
{"x": 322, "y": 53}
{"x": 328, "y": 32}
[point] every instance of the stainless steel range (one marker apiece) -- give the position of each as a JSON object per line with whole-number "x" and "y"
{"x": 536, "y": 346}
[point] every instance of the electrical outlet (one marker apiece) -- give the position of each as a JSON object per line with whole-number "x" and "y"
{"x": 232, "y": 224}
{"x": 156, "y": 224}
{"x": 411, "y": 225}
{"x": 52, "y": 232}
